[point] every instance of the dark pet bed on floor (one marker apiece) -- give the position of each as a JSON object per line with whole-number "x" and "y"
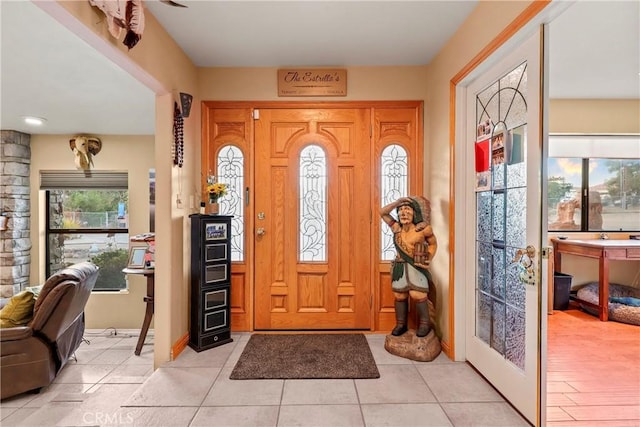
{"x": 625, "y": 313}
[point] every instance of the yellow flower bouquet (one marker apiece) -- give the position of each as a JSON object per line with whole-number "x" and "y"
{"x": 216, "y": 190}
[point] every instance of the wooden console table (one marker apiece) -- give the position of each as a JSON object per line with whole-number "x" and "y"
{"x": 148, "y": 314}
{"x": 603, "y": 250}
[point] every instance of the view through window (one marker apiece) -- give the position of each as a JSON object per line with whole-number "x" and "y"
{"x": 89, "y": 225}
{"x": 596, "y": 189}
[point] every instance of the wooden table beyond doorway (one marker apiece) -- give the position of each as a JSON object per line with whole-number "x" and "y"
{"x": 148, "y": 314}
{"x": 603, "y": 250}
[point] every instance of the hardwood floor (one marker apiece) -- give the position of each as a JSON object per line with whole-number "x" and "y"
{"x": 593, "y": 372}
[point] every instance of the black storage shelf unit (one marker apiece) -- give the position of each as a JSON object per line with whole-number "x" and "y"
{"x": 210, "y": 281}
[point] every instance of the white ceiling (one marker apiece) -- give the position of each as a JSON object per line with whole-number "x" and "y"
{"x": 311, "y": 33}
{"x": 49, "y": 72}
{"x": 594, "y": 51}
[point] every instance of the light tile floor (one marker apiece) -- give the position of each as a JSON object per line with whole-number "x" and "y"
{"x": 108, "y": 386}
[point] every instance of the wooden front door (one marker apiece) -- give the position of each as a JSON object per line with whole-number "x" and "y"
{"x": 313, "y": 219}
{"x": 310, "y": 253}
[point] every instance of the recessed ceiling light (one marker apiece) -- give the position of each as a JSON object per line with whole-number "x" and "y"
{"x": 34, "y": 121}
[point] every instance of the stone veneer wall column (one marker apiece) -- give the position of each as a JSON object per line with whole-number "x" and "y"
{"x": 15, "y": 242}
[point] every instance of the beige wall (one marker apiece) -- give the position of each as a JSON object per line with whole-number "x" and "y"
{"x": 363, "y": 83}
{"x": 598, "y": 116}
{"x": 134, "y": 154}
{"x": 604, "y": 116}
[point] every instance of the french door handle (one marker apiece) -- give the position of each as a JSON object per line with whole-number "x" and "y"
{"x": 528, "y": 252}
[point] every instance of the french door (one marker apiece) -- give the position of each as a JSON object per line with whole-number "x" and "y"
{"x": 503, "y": 193}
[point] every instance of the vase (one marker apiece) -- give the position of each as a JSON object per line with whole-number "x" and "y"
{"x": 213, "y": 208}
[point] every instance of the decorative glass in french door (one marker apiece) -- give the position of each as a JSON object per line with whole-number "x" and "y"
{"x": 501, "y": 181}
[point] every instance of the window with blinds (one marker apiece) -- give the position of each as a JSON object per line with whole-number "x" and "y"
{"x": 87, "y": 219}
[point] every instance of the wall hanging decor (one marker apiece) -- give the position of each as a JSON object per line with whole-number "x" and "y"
{"x": 84, "y": 148}
{"x": 123, "y": 14}
{"x": 185, "y": 103}
{"x": 178, "y": 136}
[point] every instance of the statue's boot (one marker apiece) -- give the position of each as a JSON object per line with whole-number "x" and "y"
{"x": 401, "y": 317}
{"x": 423, "y": 318}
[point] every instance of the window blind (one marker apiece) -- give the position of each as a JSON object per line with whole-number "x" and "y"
{"x": 595, "y": 146}
{"x": 75, "y": 179}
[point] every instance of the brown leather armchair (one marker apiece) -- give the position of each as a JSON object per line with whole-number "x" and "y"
{"x": 31, "y": 356}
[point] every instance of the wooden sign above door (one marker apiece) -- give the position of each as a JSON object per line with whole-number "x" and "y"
{"x": 312, "y": 82}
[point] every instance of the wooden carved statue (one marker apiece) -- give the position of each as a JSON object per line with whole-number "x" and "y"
{"x": 416, "y": 246}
